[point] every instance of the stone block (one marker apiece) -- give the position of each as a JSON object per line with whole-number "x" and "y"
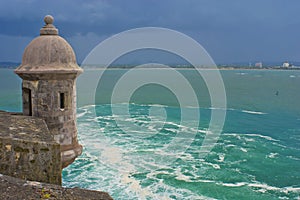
{"x": 28, "y": 150}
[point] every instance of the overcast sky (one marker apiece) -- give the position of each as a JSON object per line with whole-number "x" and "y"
{"x": 230, "y": 30}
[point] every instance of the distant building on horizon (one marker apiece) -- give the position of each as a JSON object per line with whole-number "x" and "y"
{"x": 285, "y": 64}
{"x": 259, "y": 65}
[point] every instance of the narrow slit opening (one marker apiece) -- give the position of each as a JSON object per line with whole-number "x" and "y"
{"x": 62, "y": 100}
{"x": 27, "y": 102}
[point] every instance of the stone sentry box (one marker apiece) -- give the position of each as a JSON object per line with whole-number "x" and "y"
{"x": 49, "y": 71}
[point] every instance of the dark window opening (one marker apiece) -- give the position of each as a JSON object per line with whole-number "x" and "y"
{"x": 27, "y": 102}
{"x": 62, "y": 100}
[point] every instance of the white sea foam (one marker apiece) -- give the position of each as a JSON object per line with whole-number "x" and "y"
{"x": 221, "y": 158}
{"x": 87, "y": 106}
{"x": 239, "y": 135}
{"x": 105, "y": 117}
{"x": 294, "y": 158}
{"x": 182, "y": 177}
{"x": 175, "y": 124}
{"x": 230, "y": 145}
{"x": 134, "y": 185}
{"x": 244, "y": 111}
{"x": 205, "y": 181}
{"x": 119, "y": 165}
{"x": 146, "y": 105}
{"x": 253, "y": 112}
{"x": 81, "y": 114}
{"x": 249, "y": 140}
{"x": 262, "y": 187}
{"x": 234, "y": 184}
{"x": 187, "y": 157}
{"x": 215, "y": 108}
{"x": 215, "y": 166}
{"x": 157, "y": 105}
{"x": 202, "y": 131}
{"x": 272, "y": 155}
{"x": 160, "y": 190}
{"x": 241, "y": 73}
{"x": 262, "y": 136}
{"x": 85, "y": 111}
{"x": 171, "y": 130}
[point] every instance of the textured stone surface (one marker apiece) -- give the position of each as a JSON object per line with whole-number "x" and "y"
{"x": 28, "y": 150}
{"x": 16, "y": 189}
{"x": 49, "y": 53}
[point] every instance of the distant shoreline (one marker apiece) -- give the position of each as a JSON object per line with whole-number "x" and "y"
{"x": 189, "y": 68}
{"x": 177, "y": 67}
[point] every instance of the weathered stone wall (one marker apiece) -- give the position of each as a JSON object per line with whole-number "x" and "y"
{"x": 28, "y": 150}
{"x": 16, "y": 189}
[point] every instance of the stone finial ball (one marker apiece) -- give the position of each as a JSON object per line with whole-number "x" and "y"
{"x": 48, "y": 19}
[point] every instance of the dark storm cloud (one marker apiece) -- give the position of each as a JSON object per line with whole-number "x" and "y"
{"x": 230, "y": 30}
{"x": 81, "y": 16}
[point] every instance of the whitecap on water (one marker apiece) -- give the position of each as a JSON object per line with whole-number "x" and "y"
{"x": 239, "y": 135}
{"x": 234, "y": 184}
{"x": 253, "y": 112}
{"x": 262, "y": 136}
{"x": 221, "y": 157}
{"x": 78, "y": 115}
{"x": 181, "y": 177}
{"x": 241, "y": 73}
{"x": 262, "y": 187}
{"x": 272, "y": 155}
{"x": 215, "y": 166}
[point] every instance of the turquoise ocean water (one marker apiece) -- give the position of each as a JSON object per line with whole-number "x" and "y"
{"x": 257, "y": 155}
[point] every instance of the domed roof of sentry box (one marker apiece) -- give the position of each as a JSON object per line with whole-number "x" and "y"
{"x": 48, "y": 53}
